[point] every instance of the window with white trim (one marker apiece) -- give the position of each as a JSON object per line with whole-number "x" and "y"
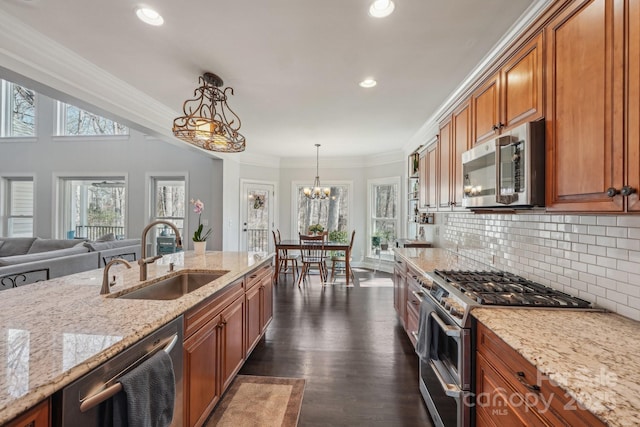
{"x": 19, "y": 207}
{"x": 74, "y": 121}
{"x": 93, "y": 207}
{"x": 17, "y": 110}
{"x": 332, "y": 213}
{"x": 168, "y": 201}
{"x": 384, "y": 211}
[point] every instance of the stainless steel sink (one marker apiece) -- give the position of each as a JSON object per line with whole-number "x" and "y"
{"x": 174, "y": 287}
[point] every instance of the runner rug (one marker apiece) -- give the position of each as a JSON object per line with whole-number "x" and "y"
{"x": 260, "y": 402}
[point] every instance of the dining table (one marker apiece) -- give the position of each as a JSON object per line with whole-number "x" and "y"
{"x": 296, "y": 245}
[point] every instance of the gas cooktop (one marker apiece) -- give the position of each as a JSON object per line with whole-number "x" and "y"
{"x": 502, "y": 288}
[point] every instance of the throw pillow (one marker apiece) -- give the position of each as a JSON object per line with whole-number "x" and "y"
{"x": 16, "y": 246}
{"x": 46, "y": 245}
{"x": 106, "y": 238}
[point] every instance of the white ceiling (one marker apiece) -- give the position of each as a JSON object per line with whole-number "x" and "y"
{"x": 294, "y": 64}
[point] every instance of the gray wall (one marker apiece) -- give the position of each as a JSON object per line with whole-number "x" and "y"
{"x": 136, "y": 156}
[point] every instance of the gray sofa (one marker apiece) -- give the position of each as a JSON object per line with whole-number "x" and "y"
{"x": 25, "y": 260}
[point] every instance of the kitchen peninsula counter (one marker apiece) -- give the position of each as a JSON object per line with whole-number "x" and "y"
{"x": 593, "y": 356}
{"x": 56, "y": 331}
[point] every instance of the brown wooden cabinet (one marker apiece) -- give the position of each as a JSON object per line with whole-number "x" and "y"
{"x": 510, "y": 391}
{"x": 259, "y": 305}
{"x": 444, "y": 164}
{"x": 38, "y": 416}
{"x": 412, "y": 308}
{"x": 512, "y": 95}
{"x": 633, "y": 108}
{"x": 423, "y": 181}
{"x": 432, "y": 181}
{"x": 460, "y": 142}
{"x": 232, "y": 341}
{"x": 213, "y": 350}
{"x": 585, "y": 85}
{"x": 400, "y": 288}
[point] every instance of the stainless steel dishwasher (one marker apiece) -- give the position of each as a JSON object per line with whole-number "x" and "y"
{"x": 82, "y": 402}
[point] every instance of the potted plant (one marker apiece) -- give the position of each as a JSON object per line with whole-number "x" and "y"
{"x": 375, "y": 241}
{"x": 386, "y": 236}
{"x": 316, "y": 228}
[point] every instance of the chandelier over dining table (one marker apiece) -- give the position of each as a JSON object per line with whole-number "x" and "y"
{"x": 316, "y": 191}
{"x": 208, "y": 122}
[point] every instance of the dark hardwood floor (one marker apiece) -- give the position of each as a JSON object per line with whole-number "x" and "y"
{"x": 359, "y": 365}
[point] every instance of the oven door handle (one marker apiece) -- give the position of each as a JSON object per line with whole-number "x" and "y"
{"x": 450, "y": 390}
{"x": 450, "y": 331}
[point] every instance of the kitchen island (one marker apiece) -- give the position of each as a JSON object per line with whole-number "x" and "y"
{"x": 588, "y": 358}
{"x": 56, "y": 331}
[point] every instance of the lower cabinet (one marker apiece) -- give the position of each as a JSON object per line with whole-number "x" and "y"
{"x": 259, "y": 305}
{"x": 38, "y": 416}
{"x": 219, "y": 334}
{"x": 510, "y": 391}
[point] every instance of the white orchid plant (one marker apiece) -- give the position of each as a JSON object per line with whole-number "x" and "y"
{"x": 198, "y": 207}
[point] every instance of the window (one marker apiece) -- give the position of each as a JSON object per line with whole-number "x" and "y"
{"x": 332, "y": 213}
{"x": 93, "y": 207}
{"x": 384, "y": 216}
{"x": 73, "y": 121}
{"x": 19, "y": 207}
{"x": 169, "y": 201}
{"x": 18, "y": 109}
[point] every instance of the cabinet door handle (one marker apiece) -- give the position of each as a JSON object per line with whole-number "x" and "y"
{"x": 612, "y": 192}
{"x": 627, "y": 190}
{"x": 494, "y": 127}
{"x": 501, "y": 125}
{"x": 520, "y": 375}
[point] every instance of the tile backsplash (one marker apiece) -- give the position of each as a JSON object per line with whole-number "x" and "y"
{"x": 594, "y": 257}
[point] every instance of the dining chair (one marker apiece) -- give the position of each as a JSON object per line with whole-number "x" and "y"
{"x": 285, "y": 258}
{"x": 338, "y": 261}
{"x": 312, "y": 255}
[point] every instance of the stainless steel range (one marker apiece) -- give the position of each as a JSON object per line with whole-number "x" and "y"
{"x": 446, "y": 336}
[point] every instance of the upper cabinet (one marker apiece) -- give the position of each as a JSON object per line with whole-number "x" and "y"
{"x": 455, "y": 138}
{"x": 633, "y": 108}
{"x": 587, "y": 143}
{"x": 512, "y": 95}
{"x": 444, "y": 176}
{"x": 460, "y": 142}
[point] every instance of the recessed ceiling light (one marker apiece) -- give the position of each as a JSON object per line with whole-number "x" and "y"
{"x": 149, "y": 16}
{"x": 367, "y": 83}
{"x": 381, "y": 8}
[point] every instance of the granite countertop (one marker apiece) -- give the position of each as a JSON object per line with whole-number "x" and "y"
{"x": 594, "y": 356}
{"x": 429, "y": 259}
{"x": 53, "y": 332}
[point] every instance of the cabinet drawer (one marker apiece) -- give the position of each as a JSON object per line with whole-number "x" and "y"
{"x": 198, "y": 316}
{"x": 255, "y": 277}
{"x": 552, "y": 403}
{"x": 412, "y": 324}
{"x": 401, "y": 265}
{"x": 38, "y": 416}
{"x": 497, "y": 404}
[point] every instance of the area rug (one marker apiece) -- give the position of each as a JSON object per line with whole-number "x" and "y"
{"x": 377, "y": 282}
{"x": 255, "y": 401}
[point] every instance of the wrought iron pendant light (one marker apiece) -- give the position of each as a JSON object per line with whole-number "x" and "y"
{"x": 208, "y": 122}
{"x": 316, "y": 191}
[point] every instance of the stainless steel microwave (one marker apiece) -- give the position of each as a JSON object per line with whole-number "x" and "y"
{"x": 507, "y": 171}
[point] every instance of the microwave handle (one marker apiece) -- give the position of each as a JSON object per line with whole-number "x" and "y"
{"x": 502, "y": 199}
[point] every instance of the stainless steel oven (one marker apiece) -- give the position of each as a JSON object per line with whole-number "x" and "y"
{"x": 445, "y": 372}
{"x": 446, "y": 336}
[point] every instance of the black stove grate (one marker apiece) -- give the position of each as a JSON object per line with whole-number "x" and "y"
{"x": 502, "y": 288}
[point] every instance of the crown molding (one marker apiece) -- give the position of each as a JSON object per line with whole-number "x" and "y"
{"x": 32, "y": 59}
{"x": 430, "y": 128}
